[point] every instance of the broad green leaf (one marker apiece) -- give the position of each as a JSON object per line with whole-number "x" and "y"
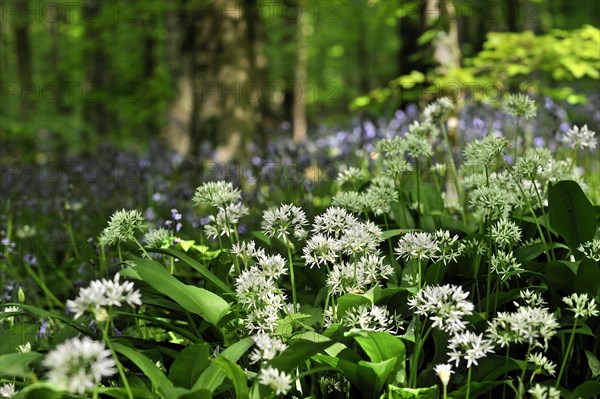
{"x": 237, "y": 376}
{"x": 587, "y": 390}
{"x": 477, "y": 389}
{"x": 594, "y": 363}
{"x": 297, "y": 352}
{"x": 17, "y": 364}
{"x": 349, "y": 301}
{"x": 333, "y": 350}
{"x": 391, "y": 233}
{"x": 194, "y": 299}
{"x": 182, "y": 393}
{"x": 39, "y": 389}
{"x": 413, "y": 393}
{"x": 199, "y": 267}
{"x": 285, "y": 326}
{"x": 261, "y": 236}
{"x": 68, "y": 320}
{"x": 381, "y": 370}
{"x": 214, "y": 376}
{"x": 572, "y": 215}
{"x": 186, "y": 244}
{"x": 168, "y": 326}
{"x": 189, "y": 365}
{"x": 147, "y": 366}
{"x": 121, "y": 393}
{"x": 380, "y": 346}
{"x": 588, "y": 277}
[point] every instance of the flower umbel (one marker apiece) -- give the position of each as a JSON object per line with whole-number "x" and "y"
{"x": 580, "y": 138}
{"x": 278, "y": 381}
{"x": 581, "y": 305}
{"x": 104, "y": 293}
{"x": 122, "y": 227}
{"x": 79, "y": 364}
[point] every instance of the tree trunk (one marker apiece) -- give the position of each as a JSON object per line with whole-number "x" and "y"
{"x": 301, "y": 78}
{"x": 223, "y": 112}
{"x": 512, "y": 15}
{"x": 96, "y": 82}
{"x": 410, "y": 29}
{"x": 23, "y": 51}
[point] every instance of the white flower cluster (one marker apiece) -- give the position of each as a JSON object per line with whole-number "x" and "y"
{"x": 365, "y": 317}
{"x": 257, "y": 291}
{"x": 247, "y": 251}
{"x": 224, "y": 224}
{"x": 520, "y": 105}
{"x": 445, "y": 306}
{"x": 532, "y": 325}
{"x": 157, "y": 238}
{"x": 278, "y": 381}
{"x": 580, "y": 138}
{"x": 230, "y": 210}
{"x": 349, "y": 249}
{"x": 267, "y": 348}
{"x": 122, "y": 227}
{"x": 438, "y": 111}
{"x": 487, "y": 152}
{"x": 505, "y": 233}
{"x": 104, "y": 293}
{"x": 470, "y": 347}
{"x": 505, "y": 265}
{"x": 439, "y": 246}
{"x": 79, "y": 364}
{"x": 591, "y": 249}
{"x": 284, "y": 222}
{"x": 543, "y": 392}
{"x": 581, "y": 305}
{"x": 444, "y": 371}
{"x": 218, "y": 194}
{"x": 541, "y": 363}
{"x": 8, "y": 390}
{"x": 352, "y": 176}
{"x": 369, "y": 269}
{"x": 334, "y": 222}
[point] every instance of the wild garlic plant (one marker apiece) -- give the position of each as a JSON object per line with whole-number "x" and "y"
{"x": 477, "y": 266}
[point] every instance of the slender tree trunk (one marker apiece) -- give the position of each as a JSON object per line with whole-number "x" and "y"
{"x": 512, "y": 15}
{"x": 300, "y": 124}
{"x": 94, "y": 107}
{"x": 223, "y": 112}
{"x": 23, "y": 51}
{"x": 179, "y": 47}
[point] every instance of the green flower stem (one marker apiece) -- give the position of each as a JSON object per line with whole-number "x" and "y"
{"x": 566, "y": 355}
{"x": 50, "y": 297}
{"x": 488, "y": 288}
{"x": 291, "y": 262}
{"x": 72, "y": 237}
{"x": 505, "y": 372}
{"x": 142, "y": 248}
{"x": 526, "y": 362}
{"x": 389, "y": 240}
{"x": 546, "y": 220}
{"x": 120, "y": 255}
{"x": 539, "y": 228}
{"x": 419, "y": 272}
{"x": 453, "y": 172}
{"x": 419, "y": 342}
{"x": 418, "y": 181}
{"x": 469, "y": 382}
{"x": 116, "y": 358}
{"x": 516, "y": 140}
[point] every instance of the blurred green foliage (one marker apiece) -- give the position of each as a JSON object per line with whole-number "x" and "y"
{"x": 562, "y": 64}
